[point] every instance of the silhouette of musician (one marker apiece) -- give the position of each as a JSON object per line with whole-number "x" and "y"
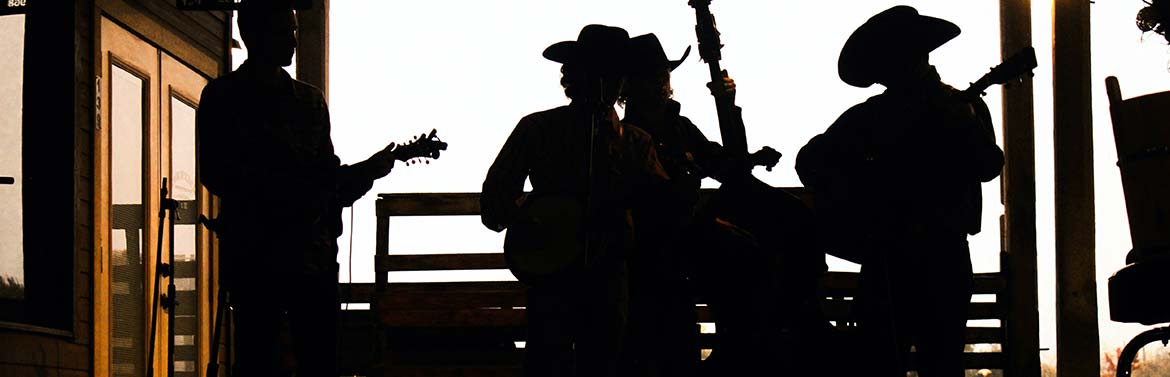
{"x": 265, "y": 150}
{"x": 580, "y": 160}
{"x": 897, "y": 181}
{"x": 663, "y": 335}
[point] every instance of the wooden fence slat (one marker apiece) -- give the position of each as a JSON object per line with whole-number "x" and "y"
{"x": 443, "y": 262}
{"x": 454, "y": 300}
{"x": 844, "y": 284}
{"x": 435, "y": 371}
{"x": 435, "y": 204}
{"x": 453, "y": 318}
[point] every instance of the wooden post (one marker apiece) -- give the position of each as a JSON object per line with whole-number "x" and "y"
{"x": 313, "y": 45}
{"x": 1077, "y": 338}
{"x": 1022, "y": 326}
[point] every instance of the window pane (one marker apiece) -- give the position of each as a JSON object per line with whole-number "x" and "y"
{"x": 11, "y": 130}
{"x": 127, "y": 215}
{"x": 183, "y": 189}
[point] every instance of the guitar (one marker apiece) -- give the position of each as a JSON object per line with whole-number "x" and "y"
{"x": 552, "y": 247}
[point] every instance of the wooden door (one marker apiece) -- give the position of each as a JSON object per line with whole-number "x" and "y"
{"x": 145, "y": 134}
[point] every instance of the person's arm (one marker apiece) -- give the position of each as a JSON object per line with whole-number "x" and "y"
{"x": 504, "y": 183}
{"x": 355, "y": 180}
{"x": 830, "y": 156}
{"x": 988, "y": 157}
{"x": 218, "y": 171}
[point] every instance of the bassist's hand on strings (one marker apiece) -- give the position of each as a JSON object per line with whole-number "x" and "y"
{"x": 724, "y": 88}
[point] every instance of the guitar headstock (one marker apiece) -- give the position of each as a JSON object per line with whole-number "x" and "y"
{"x": 423, "y": 148}
{"x": 1014, "y": 67}
{"x": 1011, "y": 70}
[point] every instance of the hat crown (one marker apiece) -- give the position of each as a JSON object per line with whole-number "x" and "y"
{"x": 596, "y": 45}
{"x": 592, "y": 36}
{"x": 886, "y": 39}
{"x": 646, "y": 52}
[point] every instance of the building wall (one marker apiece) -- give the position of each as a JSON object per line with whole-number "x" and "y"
{"x": 196, "y": 38}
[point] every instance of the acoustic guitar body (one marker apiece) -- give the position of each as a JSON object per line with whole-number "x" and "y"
{"x": 552, "y": 247}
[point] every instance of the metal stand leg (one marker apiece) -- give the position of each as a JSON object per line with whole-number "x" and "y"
{"x": 220, "y": 314}
{"x": 1125, "y": 361}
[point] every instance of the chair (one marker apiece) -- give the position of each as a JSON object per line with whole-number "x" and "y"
{"x": 1141, "y": 131}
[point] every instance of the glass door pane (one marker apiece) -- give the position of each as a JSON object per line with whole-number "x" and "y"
{"x": 184, "y": 188}
{"x": 11, "y": 130}
{"x": 127, "y": 215}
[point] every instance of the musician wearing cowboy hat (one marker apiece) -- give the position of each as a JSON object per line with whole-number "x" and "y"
{"x": 579, "y": 155}
{"x": 661, "y": 339}
{"x": 897, "y": 184}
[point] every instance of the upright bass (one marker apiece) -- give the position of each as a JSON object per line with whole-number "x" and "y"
{"x": 772, "y": 218}
{"x": 761, "y": 239}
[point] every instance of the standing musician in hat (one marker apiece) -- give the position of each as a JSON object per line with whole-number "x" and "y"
{"x": 662, "y": 337}
{"x": 897, "y": 181}
{"x": 582, "y": 155}
{"x": 265, "y": 151}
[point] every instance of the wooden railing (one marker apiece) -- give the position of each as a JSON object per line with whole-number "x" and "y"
{"x": 475, "y": 328}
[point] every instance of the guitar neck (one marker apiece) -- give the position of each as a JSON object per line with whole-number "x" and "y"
{"x": 977, "y": 88}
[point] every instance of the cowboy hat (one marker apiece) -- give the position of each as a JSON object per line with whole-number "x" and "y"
{"x": 886, "y": 39}
{"x": 645, "y": 53}
{"x": 597, "y": 46}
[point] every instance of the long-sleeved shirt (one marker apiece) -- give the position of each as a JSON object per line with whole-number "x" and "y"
{"x": 265, "y": 150}
{"x": 551, "y": 149}
{"x": 904, "y": 163}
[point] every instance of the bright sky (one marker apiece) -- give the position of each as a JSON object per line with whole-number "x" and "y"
{"x": 472, "y": 69}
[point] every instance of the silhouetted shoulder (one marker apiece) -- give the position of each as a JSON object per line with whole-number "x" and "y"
{"x": 307, "y": 91}
{"x": 543, "y": 117}
{"x": 855, "y": 116}
{"x": 221, "y": 86}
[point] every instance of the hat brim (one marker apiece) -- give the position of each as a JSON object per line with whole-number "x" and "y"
{"x": 873, "y": 45}
{"x": 562, "y": 52}
{"x": 574, "y": 53}
{"x": 672, "y": 64}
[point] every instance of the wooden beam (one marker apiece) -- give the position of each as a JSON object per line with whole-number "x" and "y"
{"x": 313, "y": 45}
{"x": 1018, "y": 224}
{"x": 1077, "y": 337}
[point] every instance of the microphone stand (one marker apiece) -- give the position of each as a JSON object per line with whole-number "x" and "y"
{"x": 221, "y": 312}
{"x": 166, "y": 301}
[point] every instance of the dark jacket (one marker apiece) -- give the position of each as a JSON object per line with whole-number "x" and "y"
{"x": 686, "y": 154}
{"x": 266, "y": 152}
{"x": 903, "y": 164}
{"x": 551, "y": 149}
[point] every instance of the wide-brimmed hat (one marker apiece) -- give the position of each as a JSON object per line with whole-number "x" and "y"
{"x": 646, "y": 53}
{"x": 888, "y": 38}
{"x": 597, "y": 46}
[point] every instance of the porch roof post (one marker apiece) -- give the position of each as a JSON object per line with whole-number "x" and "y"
{"x": 1022, "y": 339}
{"x": 313, "y": 45}
{"x": 1077, "y": 336}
